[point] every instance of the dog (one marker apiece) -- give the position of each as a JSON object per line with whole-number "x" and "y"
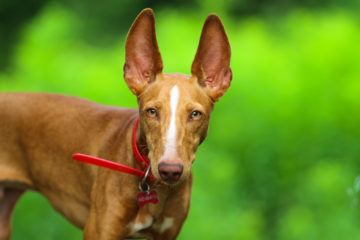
{"x": 40, "y": 132}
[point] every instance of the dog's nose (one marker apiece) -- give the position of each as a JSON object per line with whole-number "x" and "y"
{"x": 170, "y": 172}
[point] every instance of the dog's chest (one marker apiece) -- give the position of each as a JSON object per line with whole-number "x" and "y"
{"x": 145, "y": 223}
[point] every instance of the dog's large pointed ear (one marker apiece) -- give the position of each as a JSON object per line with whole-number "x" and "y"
{"x": 142, "y": 56}
{"x": 211, "y": 65}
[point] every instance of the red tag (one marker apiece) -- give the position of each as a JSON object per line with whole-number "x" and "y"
{"x": 144, "y": 198}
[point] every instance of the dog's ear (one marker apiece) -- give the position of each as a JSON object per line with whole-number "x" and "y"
{"x": 142, "y": 57}
{"x": 211, "y": 65}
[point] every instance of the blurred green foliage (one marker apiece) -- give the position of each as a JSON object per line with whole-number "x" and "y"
{"x": 282, "y": 158}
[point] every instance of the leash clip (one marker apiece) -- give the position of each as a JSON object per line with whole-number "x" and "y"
{"x": 146, "y": 196}
{"x": 144, "y": 186}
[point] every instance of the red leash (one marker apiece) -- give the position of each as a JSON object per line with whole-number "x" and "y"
{"x": 143, "y": 161}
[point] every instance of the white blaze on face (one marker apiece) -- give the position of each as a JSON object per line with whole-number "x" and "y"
{"x": 170, "y": 145}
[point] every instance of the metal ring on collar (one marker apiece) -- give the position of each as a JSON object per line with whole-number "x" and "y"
{"x": 143, "y": 183}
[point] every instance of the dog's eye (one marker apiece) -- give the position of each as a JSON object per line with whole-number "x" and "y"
{"x": 151, "y": 112}
{"x": 195, "y": 115}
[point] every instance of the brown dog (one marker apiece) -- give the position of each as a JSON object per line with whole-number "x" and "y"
{"x": 39, "y": 133}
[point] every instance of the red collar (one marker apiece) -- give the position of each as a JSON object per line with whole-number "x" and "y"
{"x": 143, "y": 161}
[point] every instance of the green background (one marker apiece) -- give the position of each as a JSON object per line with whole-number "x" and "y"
{"x": 282, "y": 157}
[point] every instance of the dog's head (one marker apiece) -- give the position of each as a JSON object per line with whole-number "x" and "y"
{"x": 175, "y": 108}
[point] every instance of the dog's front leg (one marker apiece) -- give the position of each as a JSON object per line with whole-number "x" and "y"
{"x": 112, "y": 209}
{"x": 107, "y": 224}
